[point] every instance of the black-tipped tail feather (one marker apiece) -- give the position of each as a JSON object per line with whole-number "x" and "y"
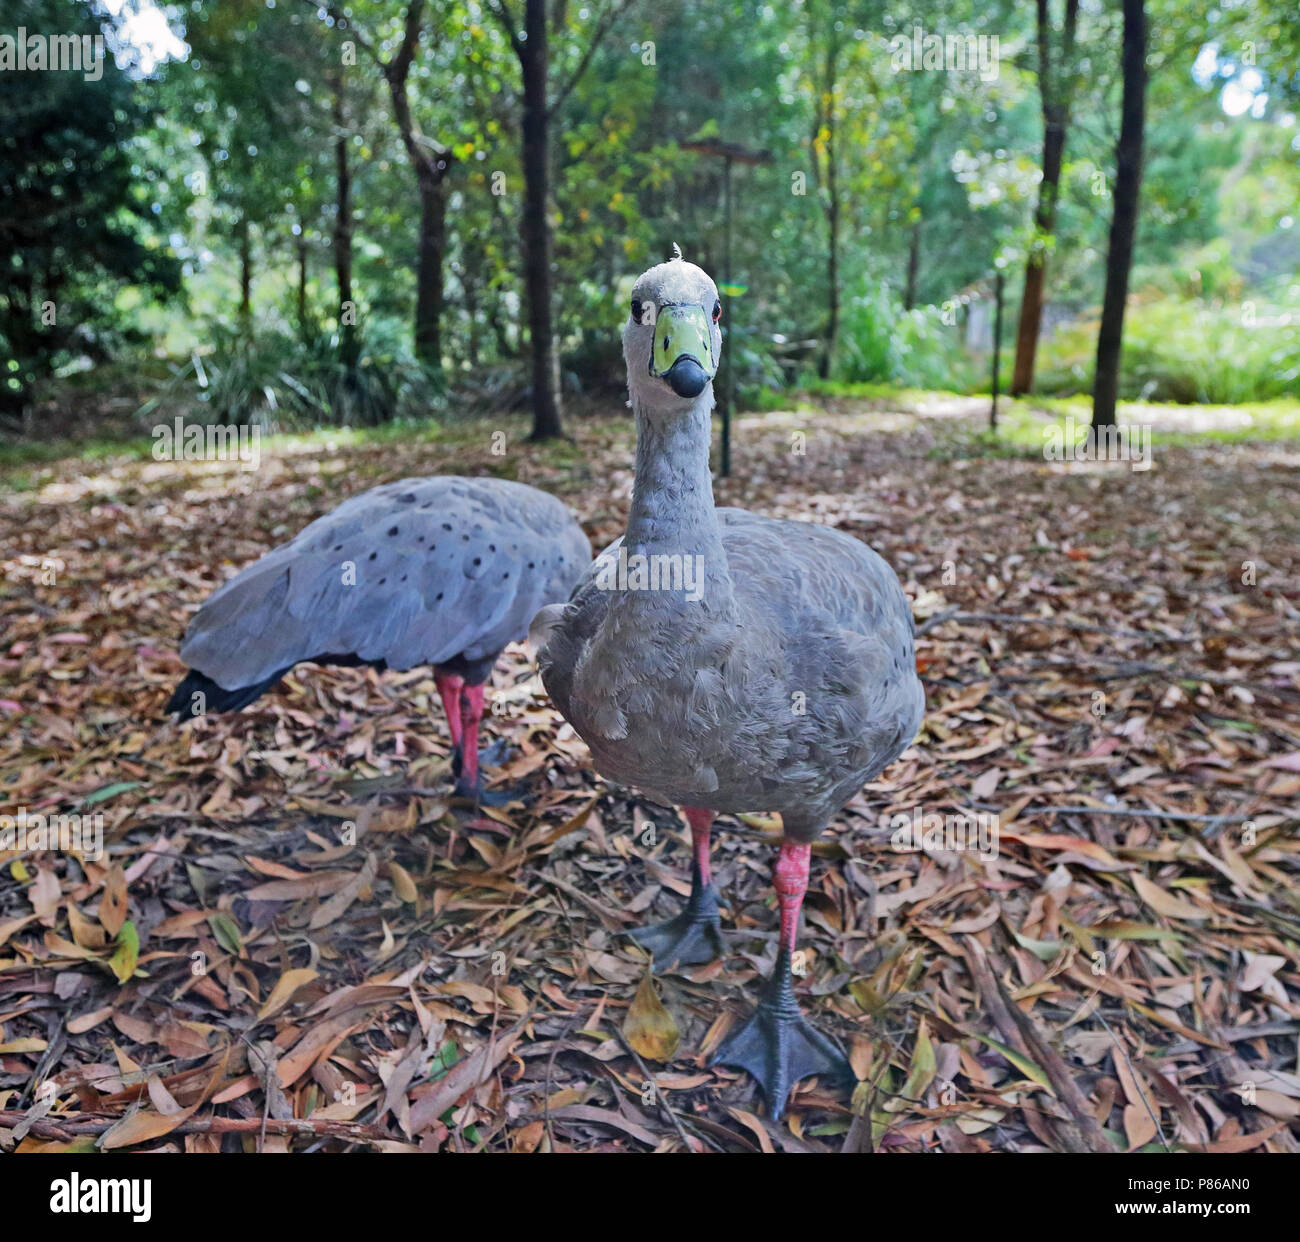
{"x": 198, "y": 695}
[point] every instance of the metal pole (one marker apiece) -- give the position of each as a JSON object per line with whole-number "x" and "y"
{"x": 997, "y": 346}
{"x": 729, "y": 381}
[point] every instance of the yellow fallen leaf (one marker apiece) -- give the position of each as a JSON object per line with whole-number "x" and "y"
{"x": 285, "y": 986}
{"x": 127, "y": 953}
{"x": 78, "y": 1147}
{"x": 1166, "y": 903}
{"x": 112, "y": 905}
{"x": 403, "y": 885}
{"x": 29, "y": 1043}
{"x": 87, "y": 934}
{"x": 649, "y": 1027}
{"x": 10, "y": 926}
{"x": 1139, "y": 1127}
{"x": 573, "y": 823}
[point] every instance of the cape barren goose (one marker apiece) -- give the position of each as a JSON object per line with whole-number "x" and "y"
{"x": 728, "y": 662}
{"x": 443, "y": 571}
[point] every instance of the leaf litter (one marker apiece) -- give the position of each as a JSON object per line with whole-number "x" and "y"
{"x": 296, "y": 940}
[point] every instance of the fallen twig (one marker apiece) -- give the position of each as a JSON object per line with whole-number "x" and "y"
{"x": 1079, "y": 1133}
{"x": 1007, "y": 618}
{"x": 66, "y": 1129}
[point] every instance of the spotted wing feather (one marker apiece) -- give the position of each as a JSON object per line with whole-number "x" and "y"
{"x": 418, "y": 571}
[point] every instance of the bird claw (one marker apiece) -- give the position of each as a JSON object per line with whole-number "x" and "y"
{"x": 478, "y": 796}
{"x": 777, "y": 1047}
{"x": 495, "y": 752}
{"x": 690, "y": 939}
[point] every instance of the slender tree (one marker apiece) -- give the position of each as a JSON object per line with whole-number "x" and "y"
{"x": 1124, "y": 219}
{"x": 532, "y": 49}
{"x": 533, "y": 52}
{"x": 349, "y": 346}
{"x": 826, "y": 121}
{"x": 1055, "y": 87}
{"x": 431, "y": 162}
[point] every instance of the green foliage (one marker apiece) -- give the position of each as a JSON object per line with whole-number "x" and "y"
{"x": 79, "y": 209}
{"x": 930, "y": 176}
{"x": 881, "y": 342}
{"x": 1185, "y": 351}
{"x": 279, "y": 380}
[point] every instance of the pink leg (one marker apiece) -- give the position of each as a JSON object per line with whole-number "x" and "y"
{"x": 471, "y": 711}
{"x": 790, "y": 879}
{"x": 693, "y": 936}
{"x": 449, "y": 688}
{"x": 701, "y": 821}
{"x": 778, "y": 1045}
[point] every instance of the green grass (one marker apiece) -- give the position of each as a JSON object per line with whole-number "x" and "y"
{"x": 1021, "y": 430}
{"x": 1186, "y": 351}
{"x": 1022, "y": 423}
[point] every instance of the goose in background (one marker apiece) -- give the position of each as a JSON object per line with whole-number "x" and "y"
{"x": 443, "y": 571}
{"x": 779, "y": 677}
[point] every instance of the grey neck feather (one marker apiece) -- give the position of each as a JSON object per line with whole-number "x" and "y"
{"x": 672, "y": 497}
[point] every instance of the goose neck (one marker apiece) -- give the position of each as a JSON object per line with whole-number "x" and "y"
{"x": 672, "y": 496}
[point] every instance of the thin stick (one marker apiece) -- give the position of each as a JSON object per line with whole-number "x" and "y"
{"x": 68, "y": 1128}
{"x": 1126, "y": 812}
{"x": 1007, "y": 618}
{"x": 661, "y": 1096}
{"x": 1155, "y": 1121}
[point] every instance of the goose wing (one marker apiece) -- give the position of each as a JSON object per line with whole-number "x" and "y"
{"x": 413, "y": 572}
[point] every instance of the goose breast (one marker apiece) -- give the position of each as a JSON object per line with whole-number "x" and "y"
{"x": 804, "y": 690}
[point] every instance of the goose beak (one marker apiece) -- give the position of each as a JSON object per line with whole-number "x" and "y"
{"x": 682, "y": 352}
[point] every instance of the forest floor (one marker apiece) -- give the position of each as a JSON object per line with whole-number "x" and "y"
{"x": 295, "y": 940}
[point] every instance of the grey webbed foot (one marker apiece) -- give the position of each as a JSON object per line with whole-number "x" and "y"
{"x": 691, "y": 938}
{"x": 778, "y": 1046}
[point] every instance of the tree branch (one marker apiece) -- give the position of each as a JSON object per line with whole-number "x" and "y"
{"x": 615, "y": 11}
{"x": 505, "y": 19}
{"x": 396, "y": 72}
{"x": 344, "y": 25}
{"x": 399, "y": 67}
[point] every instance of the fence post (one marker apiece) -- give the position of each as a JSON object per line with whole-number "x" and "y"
{"x": 997, "y": 346}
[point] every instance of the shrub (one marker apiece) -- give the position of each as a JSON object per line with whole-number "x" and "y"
{"x": 1186, "y": 351}
{"x": 276, "y": 378}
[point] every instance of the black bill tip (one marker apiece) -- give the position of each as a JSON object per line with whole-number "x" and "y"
{"x": 686, "y": 377}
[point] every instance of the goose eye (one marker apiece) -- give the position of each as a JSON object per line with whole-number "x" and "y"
{"x": 717, "y": 311}
{"x": 636, "y": 310}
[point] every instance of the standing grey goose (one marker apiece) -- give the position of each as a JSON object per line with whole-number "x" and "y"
{"x": 769, "y": 668}
{"x": 443, "y": 571}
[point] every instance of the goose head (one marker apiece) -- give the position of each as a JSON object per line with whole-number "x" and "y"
{"x": 672, "y": 337}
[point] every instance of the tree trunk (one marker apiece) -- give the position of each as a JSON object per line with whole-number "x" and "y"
{"x": 431, "y": 165}
{"x": 505, "y": 347}
{"x": 469, "y": 289}
{"x": 349, "y": 347}
{"x": 913, "y": 266}
{"x": 1124, "y": 219}
{"x": 303, "y": 328}
{"x": 536, "y": 225}
{"x": 429, "y": 276}
{"x": 832, "y": 214}
{"x": 1055, "y": 97}
{"x": 245, "y": 276}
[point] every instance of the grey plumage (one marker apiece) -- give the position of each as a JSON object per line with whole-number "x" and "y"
{"x": 786, "y": 697}
{"x": 729, "y": 662}
{"x": 785, "y": 686}
{"x": 421, "y": 571}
